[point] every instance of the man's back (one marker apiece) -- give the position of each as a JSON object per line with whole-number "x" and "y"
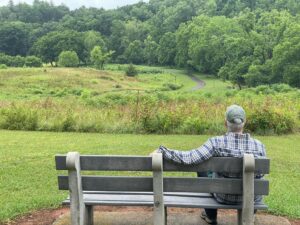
{"x": 228, "y": 145}
{"x": 235, "y": 145}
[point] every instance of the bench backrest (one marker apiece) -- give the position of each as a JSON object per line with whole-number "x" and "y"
{"x": 170, "y": 184}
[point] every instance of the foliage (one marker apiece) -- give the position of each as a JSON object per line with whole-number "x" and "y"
{"x": 99, "y": 58}
{"x": 248, "y": 42}
{"x": 33, "y": 61}
{"x": 68, "y": 59}
{"x": 16, "y": 118}
{"x": 51, "y": 45}
{"x": 3, "y": 66}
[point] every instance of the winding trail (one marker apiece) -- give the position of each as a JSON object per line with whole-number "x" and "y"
{"x": 200, "y": 83}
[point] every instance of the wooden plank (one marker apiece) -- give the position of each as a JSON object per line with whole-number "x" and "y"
{"x": 171, "y": 184}
{"x": 144, "y": 163}
{"x": 170, "y": 201}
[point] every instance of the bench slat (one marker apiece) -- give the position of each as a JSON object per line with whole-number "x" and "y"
{"x": 171, "y": 184}
{"x": 179, "y": 200}
{"x": 144, "y": 163}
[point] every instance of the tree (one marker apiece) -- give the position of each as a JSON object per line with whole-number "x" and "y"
{"x": 150, "y": 51}
{"x": 92, "y": 39}
{"x": 51, "y": 45}
{"x": 99, "y": 58}
{"x": 68, "y": 59}
{"x": 14, "y": 38}
{"x": 167, "y": 49}
{"x": 134, "y": 52}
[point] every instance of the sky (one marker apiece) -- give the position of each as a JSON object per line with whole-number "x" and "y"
{"x": 73, "y": 4}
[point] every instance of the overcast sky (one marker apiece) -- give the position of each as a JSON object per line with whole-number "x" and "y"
{"x": 72, "y": 4}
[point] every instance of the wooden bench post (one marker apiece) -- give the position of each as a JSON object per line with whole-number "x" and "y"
{"x": 79, "y": 213}
{"x": 246, "y": 216}
{"x": 159, "y": 209}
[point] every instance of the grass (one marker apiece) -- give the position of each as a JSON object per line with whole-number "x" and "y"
{"x": 39, "y": 83}
{"x": 28, "y": 177}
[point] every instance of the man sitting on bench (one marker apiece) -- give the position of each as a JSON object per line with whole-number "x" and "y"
{"x": 233, "y": 144}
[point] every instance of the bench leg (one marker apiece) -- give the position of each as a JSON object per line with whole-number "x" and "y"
{"x": 166, "y": 216}
{"x": 89, "y": 215}
{"x": 239, "y": 214}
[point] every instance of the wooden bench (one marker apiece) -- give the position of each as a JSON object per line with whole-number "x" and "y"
{"x": 157, "y": 191}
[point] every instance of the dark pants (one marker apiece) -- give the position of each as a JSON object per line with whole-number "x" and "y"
{"x": 211, "y": 213}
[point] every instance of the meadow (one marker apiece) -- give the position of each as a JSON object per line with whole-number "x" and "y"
{"x": 159, "y": 100}
{"x": 28, "y": 176}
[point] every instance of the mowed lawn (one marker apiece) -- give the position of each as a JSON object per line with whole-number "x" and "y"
{"x": 28, "y": 179}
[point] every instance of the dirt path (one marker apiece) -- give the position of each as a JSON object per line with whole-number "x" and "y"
{"x": 47, "y": 217}
{"x": 200, "y": 83}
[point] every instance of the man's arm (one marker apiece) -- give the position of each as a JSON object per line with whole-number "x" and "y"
{"x": 192, "y": 157}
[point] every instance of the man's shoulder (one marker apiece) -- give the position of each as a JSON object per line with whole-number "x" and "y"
{"x": 257, "y": 141}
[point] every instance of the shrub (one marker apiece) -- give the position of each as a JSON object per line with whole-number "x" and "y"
{"x": 18, "y": 61}
{"x": 13, "y": 61}
{"x": 194, "y": 126}
{"x": 268, "y": 121}
{"x": 131, "y": 71}
{"x": 33, "y": 61}
{"x": 3, "y": 66}
{"x": 173, "y": 87}
{"x": 68, "y": 124}
{"x": 19, "y": 119}
{"x": 68, "y": 59}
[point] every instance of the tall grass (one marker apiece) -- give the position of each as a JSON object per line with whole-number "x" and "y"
{"x": 153, "y": 113}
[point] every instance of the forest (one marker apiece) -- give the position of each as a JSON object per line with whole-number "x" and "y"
{"x": 249, "y": 42}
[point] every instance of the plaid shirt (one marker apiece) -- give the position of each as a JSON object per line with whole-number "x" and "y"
{"x": 228, "y": 145}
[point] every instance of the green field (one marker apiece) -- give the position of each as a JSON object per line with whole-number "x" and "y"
{"x": 28, "y": 175}
{"x": 39, "y": 83}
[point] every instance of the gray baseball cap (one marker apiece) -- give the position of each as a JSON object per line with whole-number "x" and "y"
{"x": 235, "y": 114}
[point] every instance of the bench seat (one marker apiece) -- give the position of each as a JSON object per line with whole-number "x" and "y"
{"x": 174, "y": 199}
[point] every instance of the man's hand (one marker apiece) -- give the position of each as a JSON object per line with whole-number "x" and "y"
{"x": 155, "y": 151}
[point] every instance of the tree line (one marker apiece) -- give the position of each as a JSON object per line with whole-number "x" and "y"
{"x": 249, "y": 42}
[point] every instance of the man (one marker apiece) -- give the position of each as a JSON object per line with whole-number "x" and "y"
{"x": 233, "y": 144}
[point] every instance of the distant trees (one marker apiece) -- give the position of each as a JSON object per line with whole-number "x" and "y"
{"x": 14, "y": 38}
{"x": 167, "y": 49}
{"x": 51, "y": 45}
{"x": 249, "y": 42}
{"x": 134, "y": 52}
{"x": 19, "y": 61}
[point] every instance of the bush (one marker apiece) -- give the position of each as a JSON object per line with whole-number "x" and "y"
{"x": 68, "y": 59}
{"x": 6, "y": 59}
{"x": 33, "y": 61}
{"x": 13, "y": 61}
{"x": 131, "y": 71}
{"x": 268, "y": 121}
{"x": 18, "y": 61}
{"x": 3, "y": 66}
{"x": 68, "y": 124}
{"x": 19, "y": 119}
{"x": 173, "y": 87}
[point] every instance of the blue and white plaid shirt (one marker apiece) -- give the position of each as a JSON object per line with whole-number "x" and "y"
{"x": 228, "y": 145}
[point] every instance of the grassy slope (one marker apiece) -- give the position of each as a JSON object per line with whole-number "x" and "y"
{"x": 28, "y": 177}
{"x": 36, "y": 83}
